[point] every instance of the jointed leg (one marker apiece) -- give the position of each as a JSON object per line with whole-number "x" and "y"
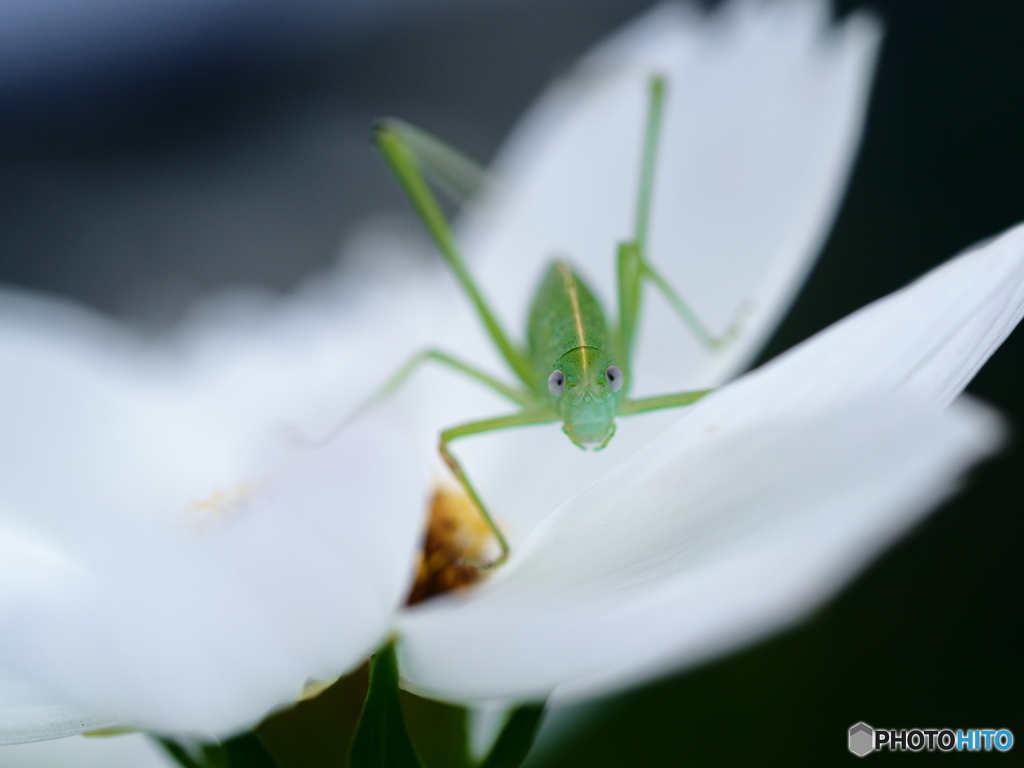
{"x": 405, "y": 372}
{"x": 633, "y": 270}
{"x": 631, "y": 254}
{"x": 688, "y": 316}
{"x": 630, "y": 271}
{"x": 521, "y": 419}
{"x": 634, "y": 266}
{"x": 516, "y": 395}
{"x": 394, "y": 145}
{"x": 660, "y": 402}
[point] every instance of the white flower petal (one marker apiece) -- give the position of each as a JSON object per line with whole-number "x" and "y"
{"x": 719, "y": 531}
{"x": 755, "y": 505}
{"x": 28, "y": 713}
{"x": 74, "y": 406}
{"x": 927, "y": 340}
{"x": 208, "y": 628}
{"x": 112, "y": 440}
{"x": 750, "y": 509}
{"x": 129, "y": 751}
{"x": 484, "y": 724}
{"x": 102, "y": 423}
{"x": 763, "y": 116}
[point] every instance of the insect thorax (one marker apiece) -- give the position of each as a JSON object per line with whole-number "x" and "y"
{"x": 564, "y": 315}
{"x": 567, "y": 331}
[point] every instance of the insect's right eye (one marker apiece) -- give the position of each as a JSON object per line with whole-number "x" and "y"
{"x": 613, "y": 374}
{"x": 556, "y": 383}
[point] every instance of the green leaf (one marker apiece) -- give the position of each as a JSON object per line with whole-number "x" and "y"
{"x": 214, "y": 756}
{"x": 439, "y": 730}
{"x": 242, "y": 751}
{"x": 381, "y": 740}
{"x": 247, "y": 751}
{"x": 180, "y": 753}
{"x": 516, "y": 737}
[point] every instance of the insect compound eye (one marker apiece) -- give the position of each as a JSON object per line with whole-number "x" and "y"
{"x": 556, "y": 383}
{"x": 614, "y": 375}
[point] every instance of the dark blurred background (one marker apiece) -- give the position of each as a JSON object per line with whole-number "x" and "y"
{"x": 146, "y": 164}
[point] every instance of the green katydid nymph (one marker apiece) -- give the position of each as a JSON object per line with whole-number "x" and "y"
{"x": 575, "y": 365}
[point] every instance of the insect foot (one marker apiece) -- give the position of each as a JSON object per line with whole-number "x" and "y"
{"x": 743, "y": 314}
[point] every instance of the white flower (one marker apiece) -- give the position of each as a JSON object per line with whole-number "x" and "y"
{"x": 754, "y": 505}
{"x": 762, "y": 119}
{"x": 117, "y": 604}
{"x": 131, "y": 589}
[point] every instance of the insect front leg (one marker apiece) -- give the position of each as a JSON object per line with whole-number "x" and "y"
{"x": 633, "y": 270}
{"x": 661, "y": 402}
{"x": 517, "y": 395}
{"x": 628, "y": 266}
{"x": 521, "y": 419}
{"x": 688, "y": 316}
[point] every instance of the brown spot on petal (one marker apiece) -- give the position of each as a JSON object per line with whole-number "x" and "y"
{"x": 456, "y": 533}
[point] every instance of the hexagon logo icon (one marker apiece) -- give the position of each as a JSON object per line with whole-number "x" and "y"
{"x": 862, "y": 739}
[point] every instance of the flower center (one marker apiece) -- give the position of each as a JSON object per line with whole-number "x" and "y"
{"x": 217, "y": 507}
{"x": 456, "y": 538}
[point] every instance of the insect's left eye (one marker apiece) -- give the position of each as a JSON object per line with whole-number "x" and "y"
{"x": 556, "y": 383}
{"x": 615, "y": 378}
